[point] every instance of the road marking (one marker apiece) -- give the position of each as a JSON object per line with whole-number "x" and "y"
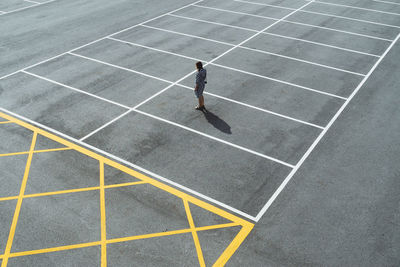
{"x": 278, "y": 35}
{"x": 27, "y": 7}
{"x": 103, "y": 217}
{"x": 30, "y": 1}
{"x": 276, "y": 54}
{"x": 386, "y": 2}
{"x": 322, "y": 14}
{"x": 356, "y": 7}
{"x": 97, "y": 40}
{"x": 246, "y": 226}
{"x": 36, "y": 151}
{"x": 27, "y": 123}
{"x": 225, "y": 98}
{"x": 10, "y": 240}
{"x": 119, "y": 67}
{"x": 297, "y": 23}
{"x": 322, "y": 134}
{"x": 75, "y": 89}
{"x": 216, "y": 138}
{"x": 250, "y": 73}
{"x": 194, "y": 234}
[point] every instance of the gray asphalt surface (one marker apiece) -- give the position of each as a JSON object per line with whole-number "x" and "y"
{"x": 267, "y": 102}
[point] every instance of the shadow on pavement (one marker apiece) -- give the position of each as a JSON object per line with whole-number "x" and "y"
{"x": 217, "y": 122}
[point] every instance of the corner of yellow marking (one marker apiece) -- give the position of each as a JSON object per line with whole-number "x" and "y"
{"x": 229, "y": 251}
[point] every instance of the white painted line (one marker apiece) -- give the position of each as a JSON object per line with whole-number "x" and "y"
{"x": 356, "y": 7}
{"x": 31, "y": 6}
{"x": 97, "y": 40}
{"x": 278, "y": 35}
{"x": 188, "y": 35}
{"x": 322, "y": 44}
{"x": 75, "y": 89}
{"x": 386, "y": 2}
{"x": 155, "y": 49}
{"x": 281, "y": 81}
{"x": 138, "y": 168}
{"x": 273, "y": 54}
{"x": 34, "y": 2}
{"x": 303, "y": 61}
{"x": 213, "y": 22}
{"x": 119, "y": 67}
{"x": 105, "y": 125}
{"x": 246, "y": 72}
{"x": 257, "y": 108}
{"x": 216, "y": 139}
{"x": 298, "y": 23}
{"x": 231, "y": 100}
{"x": 322, "y": 134}
{"x": 194, "y": 71}
{"x": 322, "y": 14}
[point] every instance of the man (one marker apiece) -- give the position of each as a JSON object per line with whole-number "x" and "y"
{"x": 201, "y": 80}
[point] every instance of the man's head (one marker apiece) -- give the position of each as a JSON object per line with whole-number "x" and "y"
{"x": 199, "y": 65}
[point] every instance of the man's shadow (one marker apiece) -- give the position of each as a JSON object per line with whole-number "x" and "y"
{"x": 216, "y": 121}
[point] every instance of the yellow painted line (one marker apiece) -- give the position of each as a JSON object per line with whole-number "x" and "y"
{"x": 103, "y": 218}
{"x": 47, "y": 250}
{"x": 246, "y": 226}
{"x": 233, "y": 246}
{"x": 8, "y": 198}
{"x": 62, "y": 192}
{"x": 5, "y": 122}
{"x": 168, "y": 233}
{"x": 36, "y": 151}
{"x": 19, "y": 203}
{"x": 117, "y": 240}
{"x": 124, "y": 184}
{"x": 194, "y": 234}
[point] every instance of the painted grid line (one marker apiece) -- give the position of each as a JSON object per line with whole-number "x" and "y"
{"x": 279, "y": 35}
{"x": 356, "y": 7}
{"x": 27, "y": 7}
{"x": 97, "y": 40}
{"x": 297, "y": 23}
{"x": 130, "y": 164}
{"x": 194, "y": 71}
{"x": 274, "y": 54}
{"x": 247, "y": 72}
{"x": 322, "y": 14}
{"x": 322, "y": 134}
{"x": 386, "y": 2}
{"x": 24, "y": 181}
{"x": 218, "y": 96}
{"x": 75, "y": 89}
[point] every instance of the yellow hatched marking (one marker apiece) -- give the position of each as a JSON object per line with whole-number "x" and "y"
{"x": 73, "y": 190}
{"x": 55, "y": 249}
{"x": 246, "y": 226}
{"x": 194, "y": 234}
{"x": 117, "y": 240}
{"x": 36, "y": 151}
{"x": 175, "y": 232}
{"x": 103, "y": 218}
{"x": 233, "y": 246}
{"x": 8, "y": 198}
{"x": 19, "y": 203}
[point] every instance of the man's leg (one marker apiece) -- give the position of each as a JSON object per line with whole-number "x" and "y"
{"x": 201, "y": 101}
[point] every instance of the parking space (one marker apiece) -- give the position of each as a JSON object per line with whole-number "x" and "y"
{"x": 279, "y": 74}
{"x": 11, "y": 6}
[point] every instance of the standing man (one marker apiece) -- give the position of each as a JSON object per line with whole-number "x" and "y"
{"x": 201, "y": 80}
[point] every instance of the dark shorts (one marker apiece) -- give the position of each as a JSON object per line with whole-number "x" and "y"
{"x": 199, "y": 92}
